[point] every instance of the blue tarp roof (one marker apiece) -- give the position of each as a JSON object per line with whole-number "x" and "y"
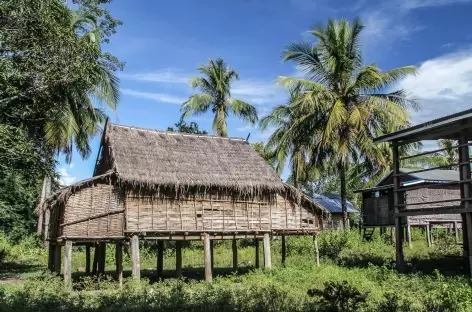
{"x": 332, "y": 203}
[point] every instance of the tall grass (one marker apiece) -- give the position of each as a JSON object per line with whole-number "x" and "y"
{"x": 351, "y": 269}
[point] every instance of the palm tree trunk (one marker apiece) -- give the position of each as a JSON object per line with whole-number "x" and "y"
{"x": 342, "y": 175}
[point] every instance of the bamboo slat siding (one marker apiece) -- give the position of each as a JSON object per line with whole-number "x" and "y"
{"x": 105, "y": 210}
{"x": 90, "y": 202}
{"x": 214, "y": 211}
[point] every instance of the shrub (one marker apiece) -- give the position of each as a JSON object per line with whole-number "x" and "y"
{"x": 339, "y": 297}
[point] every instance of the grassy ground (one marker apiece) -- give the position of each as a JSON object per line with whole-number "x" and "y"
{"x": 434, "y": 280}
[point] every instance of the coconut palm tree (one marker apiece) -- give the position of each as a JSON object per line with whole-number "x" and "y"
{"x": 83, "y": 108}
{"x": 215, "y": 86}
{"x": 343, "y": 100}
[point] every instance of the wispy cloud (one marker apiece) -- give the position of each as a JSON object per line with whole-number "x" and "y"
{"x": 64, "y": 176}
{"x": 443, "y": 86}
{"x": 161, "y": 76}
{"x": 158, "y": 97}
{"x": 417, "y": 4}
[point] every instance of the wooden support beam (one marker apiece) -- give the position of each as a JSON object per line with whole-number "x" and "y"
{"x": 68, "y": 265}
{"x": 212, "y": 252}
{"x": 397, "y": 201}
{"x": 257, "y": 264}
{"x": 428, "y": 235}
{"x": 178, "y": 259}
{"x": 102, "y": 251}
{"x": 119, "y": 263}
{"x": 87, "y": 259}
{"x": 235, "y": 254}
{"x": 267, "y": 259}
{"x": 135, "y": 262}
{"x": 51, "y": 251}
{"x": 468, "y": 217}
{"x": 408, "y": 234}
{"x": 96, "y": 251}
{"x": 284, "y": 249}
{"x": 207, "y": 251}
{"x": 57, "y": 259}
{"x": 317, "y": 251}
{"x": 456, "y": 232}
{"x": 160, "y": 258}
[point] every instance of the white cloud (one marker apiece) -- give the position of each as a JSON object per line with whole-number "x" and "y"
{"x": 443, "y": 85}
{"x": 160, "y": 76}
{"x": 64, "y": 176}
{"x": 158, "y": 97}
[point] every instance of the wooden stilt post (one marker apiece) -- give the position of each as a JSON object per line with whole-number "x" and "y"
{"x": 96, "y": 252}
{"x": 396, "y": 202}
{"x": 119, "y": 263}
{"x": 135, "y": 262}
{"x": 408, "y": 234}
{"x": 102, "y": 258}
{"x": 235, "y": 254}
{"x": 51, "y": 251}
{"x": 57, "y": 259}
{"x": 257, "y": 264}
{"x": 87, "y": 259}
{"x": 178, "y": 259}
{"x": 465, "y": 175}
{"x": 428, "y": 235}
{"x": 456, "y": 232}
{"x": 284, "y": 251}
{"x": 212, "y": 252}
{"x": 68, "y": 265}
{"x": 160, "y": 258}
{"x": 207, "y": 251}
{"x": 267, "y": 259}
{"x": 468, "y": 217}
{"x": 317, "y": 251}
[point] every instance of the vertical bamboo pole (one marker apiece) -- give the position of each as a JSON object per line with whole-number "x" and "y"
{"x": 206, "y": 247}
{"x": 235, "y": 254}
{"x": 87, "y": 259}
{"x": 119, "y": 263}
{"x": 178, "y": 259}
{"x": 284, "y": 250}
{"x": 68, "y": 265}
{"x": 408, "y": 234}
{"x": 195, "y": 209}
{"x": 160, "y": 258}
{"x": 136, "y": 265}
{"x": 96, "y": 251}
{"x": 101, "y": 259}
{"x": 317, "y": 251}
{"x": 267, "y": 259}
{"x": 465, "y": 175}
{"x": 257, "y": 253}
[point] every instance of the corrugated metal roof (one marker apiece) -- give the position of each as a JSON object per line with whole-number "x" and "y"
{"x": 434, "y": 175}
{"x": 332, "y": 203}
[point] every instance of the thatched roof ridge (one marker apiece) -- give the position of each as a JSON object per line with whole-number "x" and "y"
{"x": 152, "y": 158}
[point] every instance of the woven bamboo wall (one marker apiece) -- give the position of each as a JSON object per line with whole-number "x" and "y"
{"x": 90, "y": 202}
{"x": 432, "y": 193}
{"x": 378, "y": 211}
{"x": 214, "y": 210}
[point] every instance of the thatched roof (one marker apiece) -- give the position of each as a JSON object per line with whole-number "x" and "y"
{"x": 159, "y": 158}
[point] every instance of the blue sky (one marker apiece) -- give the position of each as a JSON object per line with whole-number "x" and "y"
{"x": 163, "y": 43}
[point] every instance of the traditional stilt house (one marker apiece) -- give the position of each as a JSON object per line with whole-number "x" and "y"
{"x": 434, "y": 185}
{"x": 160, "y": 186}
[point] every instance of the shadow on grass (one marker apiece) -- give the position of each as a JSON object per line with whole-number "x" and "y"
{"x": 12, "y": 269}
{"x": 446, "y": 265}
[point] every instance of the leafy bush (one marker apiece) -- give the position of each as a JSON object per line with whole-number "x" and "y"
{"x": 339, "y": 297}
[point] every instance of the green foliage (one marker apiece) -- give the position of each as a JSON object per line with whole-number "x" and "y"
{"x": 339, "y": 297}
{"x": 182, "y": 126}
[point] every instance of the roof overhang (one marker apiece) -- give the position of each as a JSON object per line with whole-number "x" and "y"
{"x": 447, "y": 127}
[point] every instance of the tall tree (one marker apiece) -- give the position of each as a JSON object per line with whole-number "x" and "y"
{"x": 215, "y": 87}
{"x": 345, "y": 100}
{"x": 184, "y": 127}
